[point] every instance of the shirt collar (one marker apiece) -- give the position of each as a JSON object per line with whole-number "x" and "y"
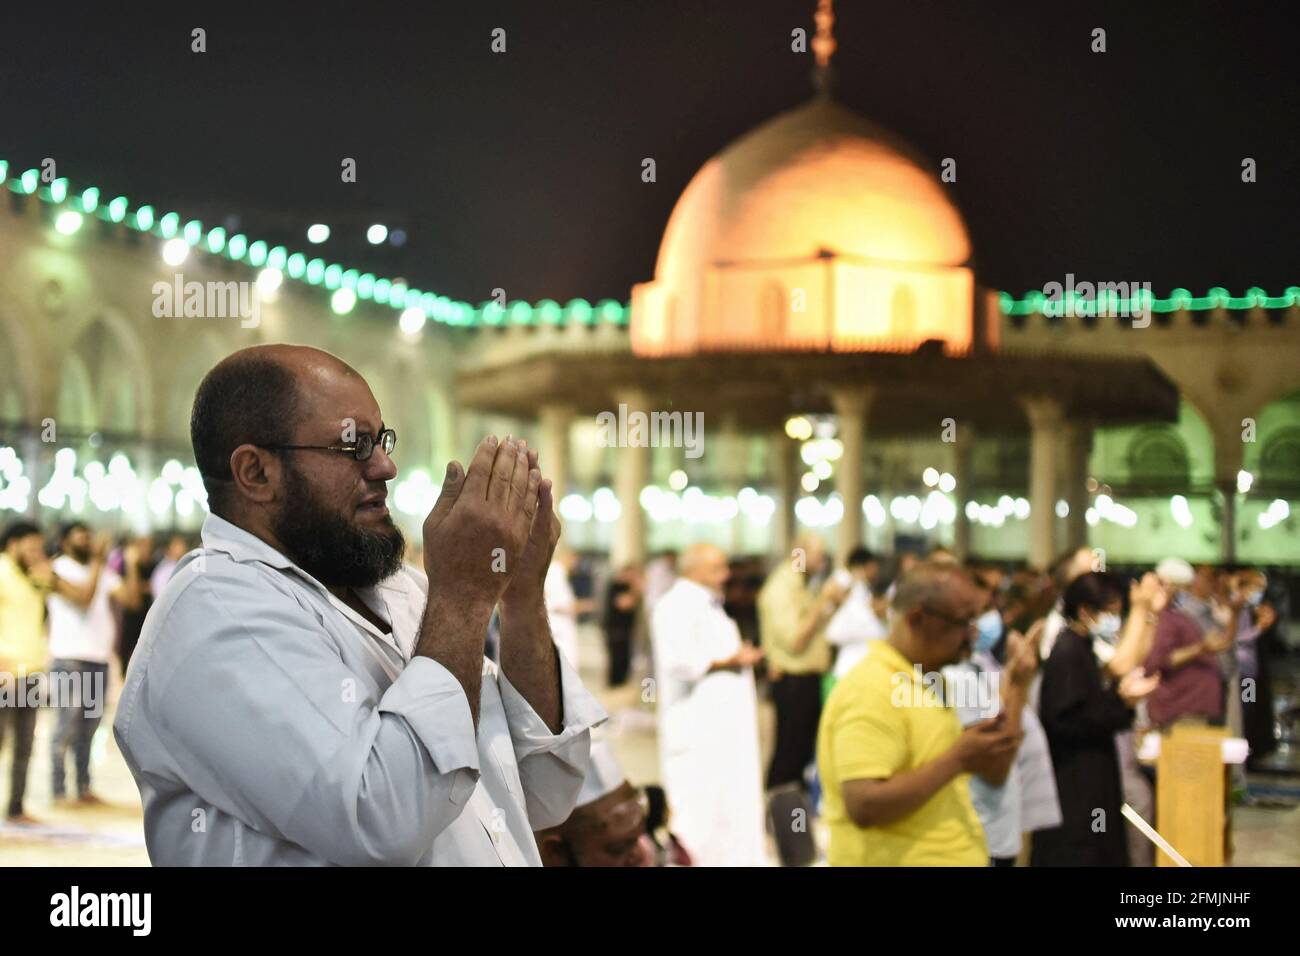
{"x": 892, "y": 656}
{"x": 220, "y": 535}
{"x": 713, "y": 597}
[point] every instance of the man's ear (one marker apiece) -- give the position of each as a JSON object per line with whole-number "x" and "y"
{"x": 256, "y": 473}
{"x": 915, "y": 617}
{"x": 553, "y": 850}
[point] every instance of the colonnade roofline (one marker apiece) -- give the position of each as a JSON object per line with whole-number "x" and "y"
{"x": 913, "y": 391}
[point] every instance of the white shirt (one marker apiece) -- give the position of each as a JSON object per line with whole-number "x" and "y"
{"x": 82, "y": 634}
{"x": 267, "y": 723}
{"x": 851, "y": 626}
{"x": 562, "y": 611}
{"x": 708, "y": 730}
{"x": 1027, "y": 799}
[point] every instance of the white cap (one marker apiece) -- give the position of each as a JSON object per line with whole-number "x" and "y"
{"x": 1175, "y": 571}
{"x": 604, "y": 775}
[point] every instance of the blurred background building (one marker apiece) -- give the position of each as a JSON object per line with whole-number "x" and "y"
{"x": 816, "y": 299}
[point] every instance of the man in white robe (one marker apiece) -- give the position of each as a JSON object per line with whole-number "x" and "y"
{"x": 562, "y": 604}
{"x": 298, "y": 697}
{"x": 708, "y": 717}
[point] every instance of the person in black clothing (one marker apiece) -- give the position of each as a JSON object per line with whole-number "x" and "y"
{"x": 1082, "y": 709}
{"x": 130, "y": 621}
{"x": 622, "y": 602}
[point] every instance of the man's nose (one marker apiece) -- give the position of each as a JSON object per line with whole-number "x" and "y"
{"x": 380, "y": 467}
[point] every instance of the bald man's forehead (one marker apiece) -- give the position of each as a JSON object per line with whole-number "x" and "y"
{"x": 332, "y": 396}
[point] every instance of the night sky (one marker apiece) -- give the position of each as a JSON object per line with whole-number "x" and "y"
{"x": 522, "y": 170}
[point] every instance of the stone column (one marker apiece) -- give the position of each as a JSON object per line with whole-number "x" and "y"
{"x": 1076, "y": 437}
{"x": 729, "y": 469}
{"x": 1045, "y": 420}
{"x": 962, "y": 451}
{"x": 553, "y": 455}
{"x": 851, "y": 406}
{"x": 632, "y": 472}
{"x": 38, "y": 466}
{"x": 783, "y": 455}
{"x": 1229, "y": 456}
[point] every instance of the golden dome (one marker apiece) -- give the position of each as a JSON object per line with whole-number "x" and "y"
{"x": 817, "y": 230}
{"x": 817, "y": 177}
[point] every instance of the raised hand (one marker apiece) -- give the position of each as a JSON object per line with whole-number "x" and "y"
{"x": 1022, "y": 653}
{"x": 476, "y": 533}
{"x": 983, "y": 744}
{"x": 1147, "y": 593}
{"x": 525, "y": 587}
{"x": 1135, "y": 685}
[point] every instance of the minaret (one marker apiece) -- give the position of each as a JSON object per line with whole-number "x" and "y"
{"x": 823, "y": 46}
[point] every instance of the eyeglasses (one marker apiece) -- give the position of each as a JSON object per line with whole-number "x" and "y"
{"x": 361, "y": 451}
{"x": 965, "y": 623}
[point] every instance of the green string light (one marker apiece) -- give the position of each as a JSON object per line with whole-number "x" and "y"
{"x": 579, "y": 310}
{"x": 1179, "y": 300}
{"x": 398, "y": 295}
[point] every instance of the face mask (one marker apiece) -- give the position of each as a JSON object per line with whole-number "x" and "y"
{"x": 1106, "y": 627}
{"x": 988, "y": 629}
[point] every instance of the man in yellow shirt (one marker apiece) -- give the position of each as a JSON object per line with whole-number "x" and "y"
{"x": 24, "y": 576}
{"x": 893, "y": 757}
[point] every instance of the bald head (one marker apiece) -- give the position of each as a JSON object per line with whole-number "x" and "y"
{"x": 257, "y": 396}
{"x": 705, "y": 564}
{"x": 933, "y": 607}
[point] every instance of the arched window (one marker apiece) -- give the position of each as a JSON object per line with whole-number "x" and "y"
{"x": 1158, "y": 460}
{"x": 773, "y": 309}
{"x": 902, "y": 314}
{"x": 1279, "y": 463}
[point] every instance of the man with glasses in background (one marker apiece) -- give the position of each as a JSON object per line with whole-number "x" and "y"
{"x": 893, "y": 756}
{"x": 298, "y": 696}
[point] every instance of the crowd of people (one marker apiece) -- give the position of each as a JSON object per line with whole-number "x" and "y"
{"x": 65, "y": 619}
{"x": 937, "y": 712}
{"x": 928, "y": 711}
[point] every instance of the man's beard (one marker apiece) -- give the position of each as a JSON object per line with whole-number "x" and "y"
{"x": 80, "y": 555}
{"x": 329, "y": 547}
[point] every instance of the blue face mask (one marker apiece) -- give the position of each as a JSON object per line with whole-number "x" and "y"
{"x": 988, "y": 628}
{"x": 1107, "y": 628}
